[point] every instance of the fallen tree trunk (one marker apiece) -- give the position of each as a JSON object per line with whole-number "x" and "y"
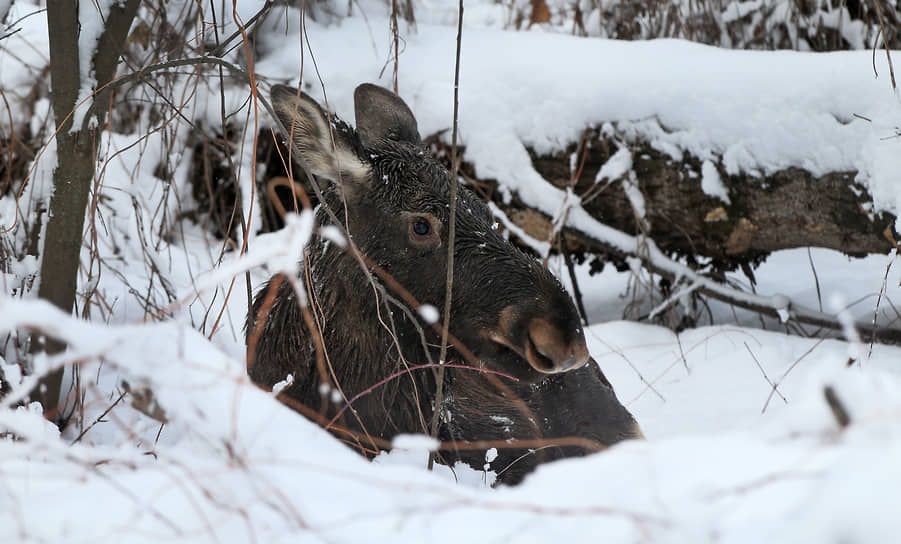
{"x": 787, "y": 209}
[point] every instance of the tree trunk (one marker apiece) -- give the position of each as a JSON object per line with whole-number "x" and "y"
{"x": 75, "y": 159}
{"x": 787, "y": 209}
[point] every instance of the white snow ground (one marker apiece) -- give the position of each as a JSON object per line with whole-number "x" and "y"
{"x": 726, "y": 460}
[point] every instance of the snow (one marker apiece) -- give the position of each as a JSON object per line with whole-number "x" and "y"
{"x": 635, "y": 196}
{"x": 91, "y": 17}
{"x": 429, "y": 313}
{"x": 415, "y": 442}
{"x": 490, "y": 455}
{"x": 23, "y": 55}
{"x": 741, "y": 444}
{"x": 759, "y": 111}
{"x": 540, "y": 247}
{"x": 712, "y": 184}
{"x": 289, "y": 379}
{"x": 618, "y": 165}
{"x": 737, "y": 10}
{"x": 713, "y": 464}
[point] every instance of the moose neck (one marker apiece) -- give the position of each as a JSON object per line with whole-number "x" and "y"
{"x": 367, "y": 351}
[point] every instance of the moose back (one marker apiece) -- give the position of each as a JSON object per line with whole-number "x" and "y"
{"x": 519, "y": 372}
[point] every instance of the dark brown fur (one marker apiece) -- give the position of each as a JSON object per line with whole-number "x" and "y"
{"x": 507, "y": 309}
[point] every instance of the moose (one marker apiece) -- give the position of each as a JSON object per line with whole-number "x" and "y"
{"x": 518, "y": 373}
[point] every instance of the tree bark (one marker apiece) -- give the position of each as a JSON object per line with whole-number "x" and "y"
{"x": 787, "y": 209}
{"x": 75, "y": 159}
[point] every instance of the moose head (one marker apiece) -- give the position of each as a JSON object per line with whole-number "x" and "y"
{"x": 393, "y": 201}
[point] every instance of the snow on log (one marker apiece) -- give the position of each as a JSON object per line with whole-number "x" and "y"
{"x": 786, "y": 209}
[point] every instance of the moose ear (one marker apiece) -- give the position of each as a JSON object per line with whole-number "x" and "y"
{"x": 382, "y": 115}
{"x": 322, "y": 149}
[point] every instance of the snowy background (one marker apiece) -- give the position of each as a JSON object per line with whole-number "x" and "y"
{"x": 742, "y": 446}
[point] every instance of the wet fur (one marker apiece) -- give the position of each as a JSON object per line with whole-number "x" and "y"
{"x": 489, "y": 276}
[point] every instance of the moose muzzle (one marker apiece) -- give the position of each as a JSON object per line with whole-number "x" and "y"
{"x": 547, "y": 348}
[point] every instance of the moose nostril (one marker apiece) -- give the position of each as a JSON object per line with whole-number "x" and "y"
{"x": 571, "y": 364}
{"x": 550, "y": 351}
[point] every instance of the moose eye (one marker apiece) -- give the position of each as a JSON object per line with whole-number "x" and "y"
{"x": 423, "y": 231}
{"x": 421, "y": 227}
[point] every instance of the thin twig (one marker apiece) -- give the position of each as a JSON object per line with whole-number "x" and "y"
{"x": 816, "y": 280}
{"x": 396, "y": 39}
{"x": 765, "y": 377}
{"x": 99, "y": 418}
{"x": 656, "y": 262}
{"x": 614, "y": 349}
{"x": 682, "y": 352}
{"x": 399, "y": 373}
{"x": 451, "y": 231}
{"x": 789, "y": 369}
{"x": 222, "y": 47}
{"x": 888, "y": 54}
{"x": 878, "y": 300}
{"x": 577, "y": 293}
{"x": 242, "y": 29}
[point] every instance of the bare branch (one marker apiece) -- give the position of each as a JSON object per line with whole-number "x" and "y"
{"x": 439, "y": 395}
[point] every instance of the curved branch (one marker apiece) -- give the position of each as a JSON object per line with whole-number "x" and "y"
{"x": 778, "y": 306}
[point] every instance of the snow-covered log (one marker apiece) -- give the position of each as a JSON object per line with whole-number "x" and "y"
{"x": 692, "y": 208}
